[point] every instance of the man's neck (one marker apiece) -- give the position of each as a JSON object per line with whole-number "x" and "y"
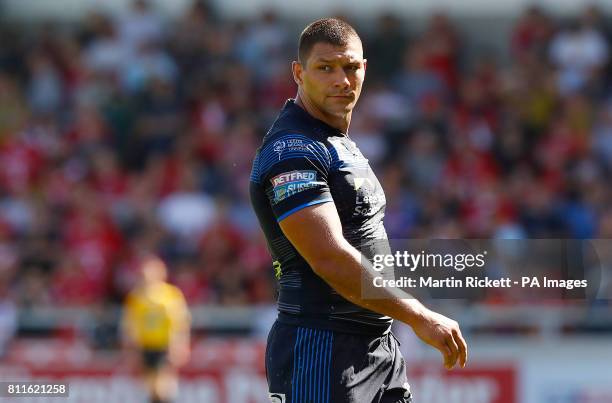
{"x": 340, "y": 123}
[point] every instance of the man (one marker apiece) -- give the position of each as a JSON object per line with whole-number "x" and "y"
{"x": 156, "y": 322}
{"x": 317, "y": 201}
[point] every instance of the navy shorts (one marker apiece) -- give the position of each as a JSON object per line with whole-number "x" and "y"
{"x": 154, "y": 359}
{"x": 305, "y": 365}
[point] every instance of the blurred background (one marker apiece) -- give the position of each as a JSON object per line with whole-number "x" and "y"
{"x": 130, "y": 126}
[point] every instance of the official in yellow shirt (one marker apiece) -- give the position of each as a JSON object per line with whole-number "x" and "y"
{"x": 156, "y": 321}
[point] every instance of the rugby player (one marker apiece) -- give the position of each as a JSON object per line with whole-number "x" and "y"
{"x": 317, "y": 201}
{"x": 156, "y": 323}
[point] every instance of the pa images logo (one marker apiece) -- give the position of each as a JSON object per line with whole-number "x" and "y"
{"x": 277, "y": 397}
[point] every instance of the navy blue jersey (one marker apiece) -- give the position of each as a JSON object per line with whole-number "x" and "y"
{"x": 303, "y": 162}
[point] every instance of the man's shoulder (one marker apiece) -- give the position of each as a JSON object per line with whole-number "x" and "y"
{"x": 292, "y": 140}
{"x": 287, "y": 130}
{"x": 134, "y": 297}
{"x": 293, "y": 121}
{"x": 291, "y": 144}
{"x": 172, "y": 291}
{"x": 288, "y": 150}
{"x": 290, "y": 137}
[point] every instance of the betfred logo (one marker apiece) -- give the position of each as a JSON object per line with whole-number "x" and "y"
{"x": 293, "y": 177}
{"x": 290, "y": 183}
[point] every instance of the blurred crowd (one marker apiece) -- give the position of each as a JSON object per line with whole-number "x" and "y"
{"x": 135, "y": 133}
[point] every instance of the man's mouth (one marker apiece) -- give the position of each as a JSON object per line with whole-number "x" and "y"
{"x": 342, "y": 96}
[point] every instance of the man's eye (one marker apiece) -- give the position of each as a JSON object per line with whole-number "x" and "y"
{"x": 325, "y": 68}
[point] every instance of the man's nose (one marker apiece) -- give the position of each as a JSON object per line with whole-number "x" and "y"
{"x": 341, "y": 80}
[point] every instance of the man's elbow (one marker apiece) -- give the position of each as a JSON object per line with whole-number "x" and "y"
{"x": 329, "y": 265}
{"x": 322, "y": 267}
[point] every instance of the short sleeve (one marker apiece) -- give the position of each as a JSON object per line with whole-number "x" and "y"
{"x": 293, "y": 171}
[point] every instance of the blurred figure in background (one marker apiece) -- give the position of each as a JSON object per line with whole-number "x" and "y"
{"x": 156, "y": 322}
{"x": 8, "y": 317}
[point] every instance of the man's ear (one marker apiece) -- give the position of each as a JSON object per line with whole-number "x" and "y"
{"x": 365, "y": 64}
{"x": 296, "y": 68}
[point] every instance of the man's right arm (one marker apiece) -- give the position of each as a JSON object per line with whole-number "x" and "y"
{"x": 316, "y": 233}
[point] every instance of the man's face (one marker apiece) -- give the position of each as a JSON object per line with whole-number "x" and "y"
{"x": 332, "y": 77}
{"x": 153, "y": 270}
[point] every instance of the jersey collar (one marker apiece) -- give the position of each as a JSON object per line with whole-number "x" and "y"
{"x": 300, "y": 113}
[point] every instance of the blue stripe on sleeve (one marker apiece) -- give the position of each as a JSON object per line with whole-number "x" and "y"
{"x": 293, "y": 210}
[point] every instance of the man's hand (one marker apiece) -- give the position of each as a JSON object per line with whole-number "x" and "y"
{"x": 444, "y": 334}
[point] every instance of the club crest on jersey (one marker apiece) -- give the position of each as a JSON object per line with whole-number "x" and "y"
{"x": 368, "y": 196}
{"x": 290, "y": 183}
{"x": 278, "y": 147}
{"x": 358, "y": 182}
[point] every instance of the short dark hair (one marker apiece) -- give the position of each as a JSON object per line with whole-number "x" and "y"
{"x": 327, "y": 30}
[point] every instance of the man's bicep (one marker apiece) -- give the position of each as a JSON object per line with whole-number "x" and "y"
{"x": 315, "y": 231}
